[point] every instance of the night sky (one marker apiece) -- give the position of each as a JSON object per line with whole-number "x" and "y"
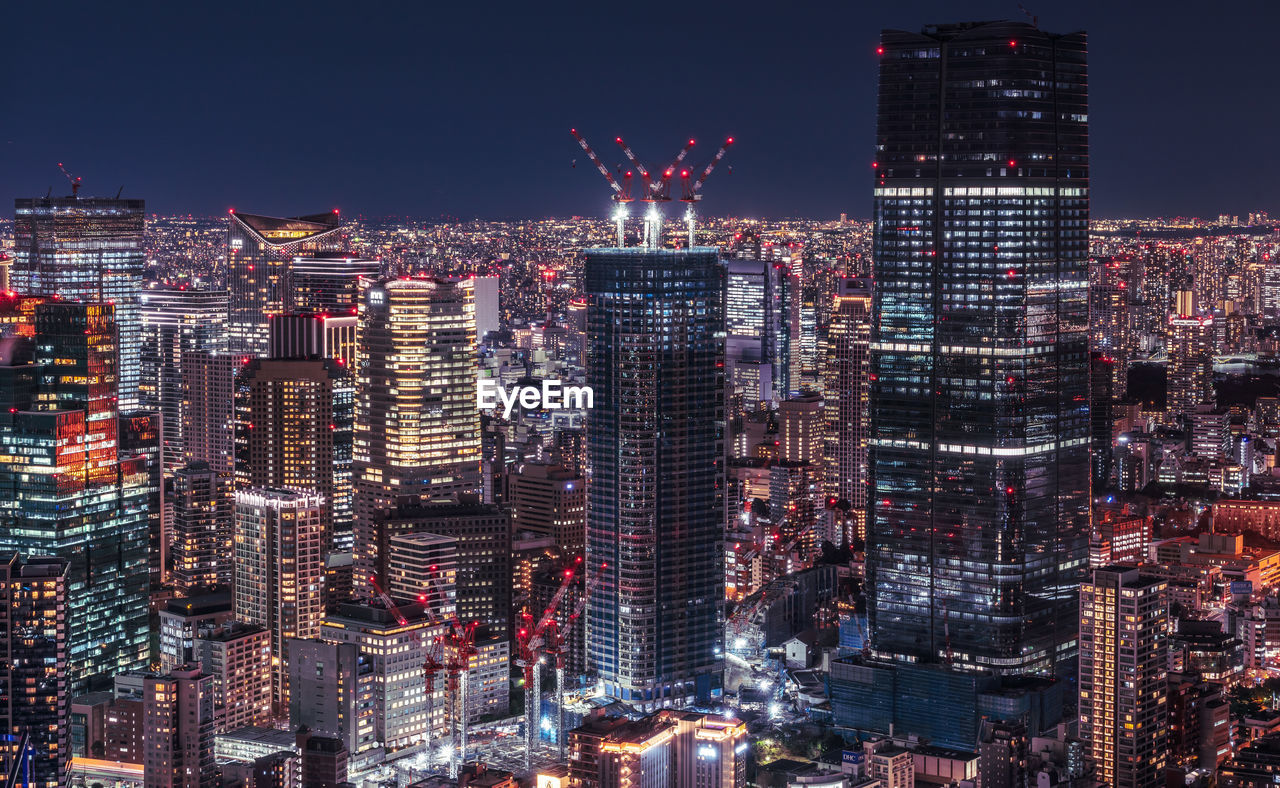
{"x": 464, "y": 108}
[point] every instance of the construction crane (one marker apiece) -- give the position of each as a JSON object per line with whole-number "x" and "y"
{"x": 529, "y": 641}
{"x": 386, "y": 600}
{"x": 692, "y": 192}
{"x": 75, "y": 181}
{"x": 663, "y": 187}
{"x": 461, "y": 638}
{"x": 556, "y": 647}
{"x": 431, "y": 667}
{"x": 621, "y": 191}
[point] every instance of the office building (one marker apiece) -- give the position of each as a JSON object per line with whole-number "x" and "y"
{"x": 762, "y": 326}
{"x": 315, "y": 336}
{"x": 488, "y": 308}
{"x": 178, "y": 730}
{"x": 260, "y": 254}
{"x": 66, "y": 491}
{"x": 550, "y": 500}
{"x": 203, "y": 526}
{"x": 846, "y": 382}
{"x": 417, "y": 435}
{"x": 183, "y": 618}
{"x": 1124, "y": 621}
{"x": 655, "y": 364}
{"x": 332, "y": 691}
{"x": 424, "y": 566}
{"x": 482, "y": 536}
{"x": 278, "y": 574}
{"x": 324, "y": 760}
{"x": 978, "y": 523}
{"x": 33, "y": 663}
{"x": 324, "y": 283}
{"x": 238, "y": 657}
{"x": 395, "y": 652}
{"x": 174, "y": 322}
{"x": 208, "y": 415}
{"x": 139, "y": 436}
{"x": 1190, "y": 374}
{"x": 86, "y": 249}
{"x": 293, "y": 430}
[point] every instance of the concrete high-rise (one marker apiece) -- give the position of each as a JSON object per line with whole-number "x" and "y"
{"x": 293, "y": 430}
{"x": 550, "y": 501}
{"x": 655, "y": 441}
{"x": 178, "y": 730}
{"x": 279, "y": 571}
{"x": 1190, "y": 376}
{"x": 417, "y": 431}
{"x": 86, "y": 249}
{"x": 978, "y": 522}
{"x": 174, "y": 322}
{"x": 208, "y": 415}
{"x": 33, "y": 663}
{"x": 846, "y": 382}
{"x": 261, "y": 251}
{"x": 1124, "y": 622}
{"x": 238, "y": 657}
{"x": 67, "y": 491}
{"x": 202, "y": 529}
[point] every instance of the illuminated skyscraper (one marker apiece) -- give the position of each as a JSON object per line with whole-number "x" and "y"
{"x": 208, "y": 408}
{"x": 33, "y": 663}
{"x": 979, "y": 512}
{"x": 846, "y": 382}
{"x": 178, "y": 730}
{"x": 332, "y": 284}
{"x": 655, "y": 505}
{"x": 260, "y": 252}
{"x": 762, "y": 325}
{"x": 1124, "y": 621}
{"x": 175, "y": 322}
{"x": 417, "y": 432}
{"x": 293, "y": 430}
{"x": 86, "y": 249}
{"x": 66, "y": 491}
{"x": 278, "y": 571}
{"x": 202, "y": 527}
{"x": 1190, "y": 375}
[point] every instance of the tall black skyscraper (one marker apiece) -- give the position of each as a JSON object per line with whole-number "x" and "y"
{"x": 979, "y": 510}
{"x": 655, "y": 505}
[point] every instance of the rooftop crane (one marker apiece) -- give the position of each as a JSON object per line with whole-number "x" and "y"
{"x": 693, "y": 191}
{"x": 75, "y": 181}
{"x": 621, "y": 192}
{"x": 529, "y": 641}
{"x": 664, "y": 186}
{"x": 386, "y": 600}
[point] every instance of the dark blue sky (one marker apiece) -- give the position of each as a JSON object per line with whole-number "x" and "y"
{"x": 429, "y": 108}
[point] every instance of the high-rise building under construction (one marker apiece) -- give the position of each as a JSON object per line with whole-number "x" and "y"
{"x": 655, "y": 505}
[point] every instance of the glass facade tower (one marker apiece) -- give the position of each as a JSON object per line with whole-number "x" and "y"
{"x": 67, "y": 490}
{"x": 979, "y": 512}
{"x": 655, "y": 503}
{"x": 86, "y": 249}
{"x": 260, "y": 255}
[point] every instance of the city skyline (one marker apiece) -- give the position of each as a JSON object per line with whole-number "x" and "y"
{"x": 430, "y": 115}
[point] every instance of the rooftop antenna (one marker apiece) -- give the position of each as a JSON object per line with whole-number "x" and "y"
{"x": 1035, "y": 20}
{"x": 75, "y": 182}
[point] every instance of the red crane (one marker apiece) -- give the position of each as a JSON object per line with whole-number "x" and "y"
{"x": 529, "y": 642}
{"x": 75, "y": 181}
{"x": 386, "y": 600}
{"x": 556, "y": 647}
{"x": 692, "y": 192}
{"x": 621, "y": 192}
{"x": 640, "y": 168}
